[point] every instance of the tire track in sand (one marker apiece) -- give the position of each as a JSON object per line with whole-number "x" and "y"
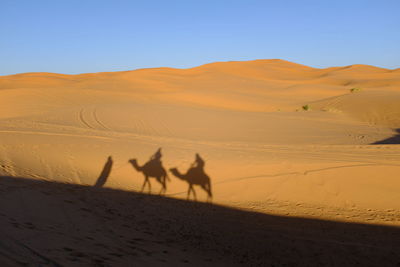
{"x": 82, "y": 119}
{"x": 99, "y": 121}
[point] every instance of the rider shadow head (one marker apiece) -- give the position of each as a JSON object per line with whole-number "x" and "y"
{"x": 157, "y": 155}
{"x": 195, "y": 175}
{"x": 104, "y": 173}
{"x": 152, "y": 168}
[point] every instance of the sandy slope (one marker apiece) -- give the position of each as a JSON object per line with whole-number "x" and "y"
{"x": 261, "y": 150}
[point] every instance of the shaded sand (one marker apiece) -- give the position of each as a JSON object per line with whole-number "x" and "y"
{"x": 55, "y": 224}
{"x": 339, "y": 161}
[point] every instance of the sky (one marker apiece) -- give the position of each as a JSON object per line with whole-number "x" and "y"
{"x": 79, "y": 36}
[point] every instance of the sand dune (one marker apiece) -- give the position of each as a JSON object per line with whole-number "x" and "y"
{"x": 374, "y": 107}
{"x": 288, "y": 150}
{"x": 262, "y": 150}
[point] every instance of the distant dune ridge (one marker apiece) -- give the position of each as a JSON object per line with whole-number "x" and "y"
{"x": 260, "y": 85}
{"x": 248, "y": 121}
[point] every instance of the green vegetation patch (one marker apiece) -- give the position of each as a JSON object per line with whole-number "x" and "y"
{"x": 355, "y": 89}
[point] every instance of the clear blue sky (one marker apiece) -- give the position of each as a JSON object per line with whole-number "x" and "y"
{"x": 76, "y": 36}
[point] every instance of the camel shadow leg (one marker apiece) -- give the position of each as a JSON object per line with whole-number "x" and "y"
{"x": 161, "y": 181}
{"x": 189, "y": 190}
{"x": 209, "y": 199}
{"x": 163, "y": 189}
{"x": 149, "y": 187}
{"x": 194, "y": 192}
{"x": 207, "y": 188}
{"x": 144, "y": 184}
{"x": 146, "y": 181}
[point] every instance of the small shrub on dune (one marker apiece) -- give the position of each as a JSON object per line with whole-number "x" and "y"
{"x": 306, "y": 107}
{"x": 355, "y": 89}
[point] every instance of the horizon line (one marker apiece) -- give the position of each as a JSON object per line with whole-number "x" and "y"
{"x": 198, "y": 66}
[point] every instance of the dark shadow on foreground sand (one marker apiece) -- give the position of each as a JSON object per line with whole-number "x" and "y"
{"x": 62, "y": 224}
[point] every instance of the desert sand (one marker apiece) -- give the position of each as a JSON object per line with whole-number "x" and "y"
{"x": 305, "y": 158}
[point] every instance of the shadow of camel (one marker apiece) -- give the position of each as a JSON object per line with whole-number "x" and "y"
{"x": 152, "y": 168}
{"x": 104, "y": 173}
{"x": 391, "y": 140}
{"x": 195, "y": 175}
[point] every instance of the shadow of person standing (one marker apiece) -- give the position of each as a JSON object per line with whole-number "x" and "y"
{"x": 104, "y": 173}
